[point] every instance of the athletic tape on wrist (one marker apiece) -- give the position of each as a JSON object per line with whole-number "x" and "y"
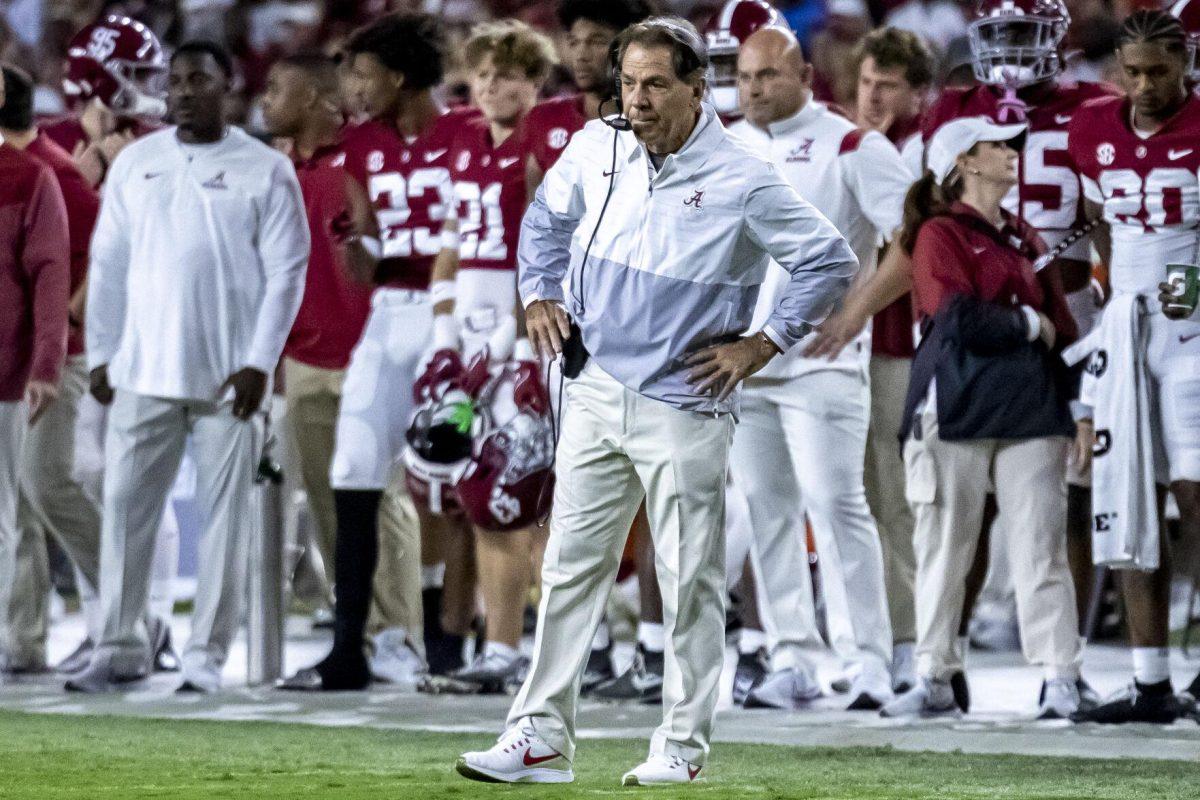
{"x": 441, "y": 290}
{"x": 373, "y": 246}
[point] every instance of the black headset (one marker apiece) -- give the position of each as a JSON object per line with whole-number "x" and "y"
{"x": 695, "y": 57}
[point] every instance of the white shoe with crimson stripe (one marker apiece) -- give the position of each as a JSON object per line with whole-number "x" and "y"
{"x": 519, "y": 756}
{"x": 660, "y": 769}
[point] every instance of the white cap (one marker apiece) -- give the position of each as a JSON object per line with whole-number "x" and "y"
{"x": 958, "y": 136}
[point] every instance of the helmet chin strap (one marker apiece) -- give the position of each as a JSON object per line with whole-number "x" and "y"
{"x": 1011, "y": 108}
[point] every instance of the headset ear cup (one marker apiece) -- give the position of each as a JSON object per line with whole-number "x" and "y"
{"x": 614, "y": 65}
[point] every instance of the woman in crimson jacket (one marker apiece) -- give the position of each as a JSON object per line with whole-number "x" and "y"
{"x": 987, "y": 411}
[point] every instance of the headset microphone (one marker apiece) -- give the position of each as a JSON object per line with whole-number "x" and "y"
{"x": 618, "y": 123}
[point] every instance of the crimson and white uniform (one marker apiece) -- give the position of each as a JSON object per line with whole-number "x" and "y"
{"x": 409, "y": 184}
{"x": 1149, "y": 186}
{"x": 489, "y": 200}
{"x": 799, "y": 444}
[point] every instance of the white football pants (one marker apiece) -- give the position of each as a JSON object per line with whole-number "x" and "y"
{"x": 143, "y": 448}
{"x": 377, "y": 402}
{"x": 617, "y": 447}
{"x": 799, "y": 448}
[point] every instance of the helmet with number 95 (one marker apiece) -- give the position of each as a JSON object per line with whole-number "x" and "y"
{"x": 120, "y": 62}
{"x": 728, "y": 29}
{"x": 1188, "y": 13}
{"x": 1016, "y": 43}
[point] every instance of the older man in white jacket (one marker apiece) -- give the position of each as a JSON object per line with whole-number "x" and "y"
{"x": 197, "y": 271}
{"x": 664, "y": 229}
{"x": 800, "y": 445}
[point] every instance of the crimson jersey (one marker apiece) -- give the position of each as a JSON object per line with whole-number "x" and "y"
{"x": 67, "y": 132}
{"x": 1047, "y": 197}
{"x": 489, "y": 196}
{"x": 409, "y": 183}
{"x": 1149, "y": 186}
{"x": 335, "y": 307}
{"x": 550, "y": 125}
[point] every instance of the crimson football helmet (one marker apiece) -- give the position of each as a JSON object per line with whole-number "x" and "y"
{"x": 1188, "y": 13}
{"x": 120, "y": 62}
{"x": 724, "y": 34}
{"x": 509, "y": 481}
{"x": 1015, "y": 43}
{"x": 439, "y": 435}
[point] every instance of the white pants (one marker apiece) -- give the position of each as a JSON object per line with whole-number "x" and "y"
{"x": 617, "y": 447}
{"x": 799, "y": 448}
{"x": 144, "y": 445}
{"x": 1173, "y": 358}
{"x": 377, "y": 398}
{"x": 14, "y": 417}
{"x": 947, "y": 483}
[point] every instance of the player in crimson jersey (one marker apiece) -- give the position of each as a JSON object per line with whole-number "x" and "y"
{"x": 725, "y": 32}
{"x": 507, "y": 62}
{"x": 117, "y": 71}
{"x": 400, "y": 157}
{"x": 591, "y": 26}
{"x": 1188, "y": 13}
{"x": 1139, "y": 157}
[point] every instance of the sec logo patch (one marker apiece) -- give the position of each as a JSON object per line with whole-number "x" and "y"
{"x": 375, "y": 161}
{"x": 1106, "y": 154}
{"x": 557, "y": 138}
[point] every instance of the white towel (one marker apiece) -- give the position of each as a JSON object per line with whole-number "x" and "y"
{"x": 1117, "y": 386}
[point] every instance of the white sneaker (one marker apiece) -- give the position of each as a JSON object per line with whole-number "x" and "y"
{"x": 904, "y": 667}
{"x": 200, "y": 674}
{"x": 929, "y": 698}
{"x": 1059, "y": 700}
{"x": 785, "y": 688}
{"x": 871, "y": 690}
{"x": 659, "y": 770}
{"x": 395, "y": 660}
{"x": 519, "y": 756}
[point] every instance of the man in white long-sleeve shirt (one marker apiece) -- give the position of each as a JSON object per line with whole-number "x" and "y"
{"x": 800, "y": 444}
{"x": 197, "y": 271}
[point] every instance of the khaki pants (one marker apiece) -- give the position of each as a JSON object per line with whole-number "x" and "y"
{"x": 54, "y": 500}
{"x": 13, "y": 424}
{"x": 884, "y": 480}
{"x": 313, "y": 399}
{"x": 617, "y": 447}
{"x": 947, "y": 483}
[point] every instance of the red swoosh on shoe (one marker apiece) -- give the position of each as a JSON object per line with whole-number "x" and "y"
{"x": 693, "y": 772}
{"x": 531, "y": 761}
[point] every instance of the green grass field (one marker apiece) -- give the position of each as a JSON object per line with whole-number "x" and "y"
{"x": 48, "y": 757}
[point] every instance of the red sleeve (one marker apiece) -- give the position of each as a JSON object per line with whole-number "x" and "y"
{"x": 83, "y": 206}
{"x": 45, "y": 259}
{"x": 938, "y": 267}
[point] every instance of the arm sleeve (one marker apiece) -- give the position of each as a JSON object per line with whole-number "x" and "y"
{"x": 806, "y": 244}
{"x": 108, "y": 273}
{"x": 45, "y": 257}
{"x": 879, "y": 179}
{"x": 544, "y": 249}
{"x": 283, "y": 248}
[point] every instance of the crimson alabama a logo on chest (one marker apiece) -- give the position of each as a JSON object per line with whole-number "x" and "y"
{"x": 802, "y": 151}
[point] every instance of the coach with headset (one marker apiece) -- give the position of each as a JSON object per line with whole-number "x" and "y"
{"x": 663, "y": 225}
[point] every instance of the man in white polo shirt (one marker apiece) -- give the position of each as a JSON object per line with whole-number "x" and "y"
{"x": 800, "y": 445}
{"x": 197, "y": 271}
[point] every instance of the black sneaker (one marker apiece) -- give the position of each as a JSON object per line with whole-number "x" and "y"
{"x": 598, "y": 670}
{"x": 334, "y": 673}
{"x": 962, "y": 691}
{"x": 1154, "y": 703}
{"x": 751, "y": 669}
{"x": 443, "y": 651}
{"x": 165, "y": 657}
{"x": 641, "y": 683}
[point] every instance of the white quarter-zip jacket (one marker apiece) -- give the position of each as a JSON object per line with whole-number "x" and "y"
{"x": 676, "y": 256}
{"x": 856, "y": 178}
{"x": 197, "y": 264}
